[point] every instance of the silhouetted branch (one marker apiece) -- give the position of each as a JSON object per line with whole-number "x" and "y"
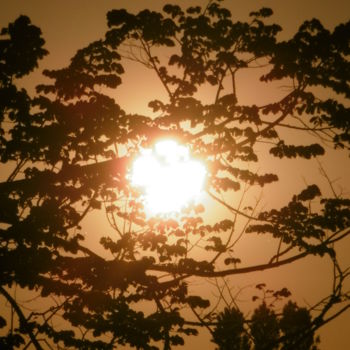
{"x": 105, "y": 169}
{"x": 23, "y": 321}
{"x": 236, "y": 271}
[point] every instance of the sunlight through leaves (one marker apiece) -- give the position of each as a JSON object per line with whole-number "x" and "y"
{"x": 168, "y": 177}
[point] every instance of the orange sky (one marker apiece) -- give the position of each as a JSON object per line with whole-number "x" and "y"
{"x": 70, "y": 25}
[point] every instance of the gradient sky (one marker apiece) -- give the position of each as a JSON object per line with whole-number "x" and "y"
{"x": 70, "y": 25}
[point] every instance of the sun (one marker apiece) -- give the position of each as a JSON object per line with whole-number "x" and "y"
{"x": 168, "y": 177}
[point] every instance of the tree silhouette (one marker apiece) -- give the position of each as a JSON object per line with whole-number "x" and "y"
{"x": 67, "y": 151}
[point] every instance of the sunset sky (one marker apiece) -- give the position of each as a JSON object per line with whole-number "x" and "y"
{"x": 70, "y": 25}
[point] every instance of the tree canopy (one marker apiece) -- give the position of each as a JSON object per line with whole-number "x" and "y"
{"x": 68, "y": 149}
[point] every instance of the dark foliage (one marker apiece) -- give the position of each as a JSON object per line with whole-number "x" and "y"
{"x": 69, "y": 148}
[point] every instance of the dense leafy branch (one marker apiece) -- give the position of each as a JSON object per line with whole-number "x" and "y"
{"x": 68, "y": 149}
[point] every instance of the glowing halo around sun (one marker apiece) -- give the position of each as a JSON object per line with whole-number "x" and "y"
{"x": 168, "y": 177}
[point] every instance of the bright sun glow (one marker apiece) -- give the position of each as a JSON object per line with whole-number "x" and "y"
{"x": 169, "y": 178}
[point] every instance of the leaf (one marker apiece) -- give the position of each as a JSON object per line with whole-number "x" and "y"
{"x": 234, "y": 261}
{"x": 196, "y": 301}
{"x": 284, "y": 292}
{"x": 260, "y": 286}
{"x": 2, "y": 322}
{"x": 309, "y": 193}
{"x": 291, "y": 151}
{"x": 263, "y": 12}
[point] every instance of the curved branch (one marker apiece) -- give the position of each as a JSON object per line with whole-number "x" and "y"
{"x": 236, "y": 271}
{"x": 231, "y": 208}
{"x": 116, "y": 167}
{"x": 22, "y": 319}
{"x": 305, "y": 128}
{"x": 154, "y": 66}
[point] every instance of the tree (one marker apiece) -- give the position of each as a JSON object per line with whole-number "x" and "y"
{"x": 69, "y": 148}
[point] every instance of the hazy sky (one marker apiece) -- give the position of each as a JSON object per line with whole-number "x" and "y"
{"x": 70, "y": 25}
